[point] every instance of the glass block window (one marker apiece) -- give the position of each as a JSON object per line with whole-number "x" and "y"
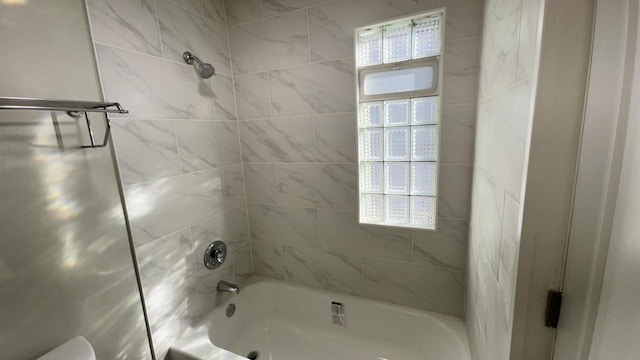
{"x": 399, "y": 91}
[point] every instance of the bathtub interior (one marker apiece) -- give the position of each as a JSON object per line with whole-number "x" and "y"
{"x": 284, "y": 321}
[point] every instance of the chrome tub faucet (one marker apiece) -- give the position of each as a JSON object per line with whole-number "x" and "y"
{"x": 224, "y": 286}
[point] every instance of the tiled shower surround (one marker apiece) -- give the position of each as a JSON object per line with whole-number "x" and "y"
{"x": 507, "y": 67}
{"x": 178, "y": 152}
{"x": 263, "y": 155}
{"x": 293, "y": 65}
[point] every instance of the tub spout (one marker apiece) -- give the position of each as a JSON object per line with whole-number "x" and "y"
{"x": 224, "y": 286}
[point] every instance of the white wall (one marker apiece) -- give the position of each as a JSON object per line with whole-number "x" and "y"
{"x": 618, "y": 321}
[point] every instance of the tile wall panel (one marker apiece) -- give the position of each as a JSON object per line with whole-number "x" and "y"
{"x": 295, "y": 92}
{"x": 178, "y": 150}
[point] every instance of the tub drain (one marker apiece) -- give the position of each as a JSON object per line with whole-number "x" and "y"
{"x": 253, "y": 355}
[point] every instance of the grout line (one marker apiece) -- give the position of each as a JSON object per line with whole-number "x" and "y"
{"x": 263, "y": 18}
{"x": 175, "y": 138}
{"x": 194, "y": 258}
{"x": 295, "y": 65}
{"x": 184, "y": 228}
{"x": 149, "y": 118}
{"x": 270, "y": 94}
{"x": 297, "y": 116}
{"x": 244, "y": 178}
{"x": 196, "y": 172}
{"x": 202, "y": 15}
{"x": 308, "y": 35}
{"x": 275, "y": 174}
{"x": 503, "y": 91}
{"x": 304, "y": 247}
{"x": 449, "y": 41}
{"x": 299, "y": 163}
{"x": 354, "y": 211}
{"x": 315, "y": 145}
{"x": 155, "y": 5}
{"x": 150, "y": 56}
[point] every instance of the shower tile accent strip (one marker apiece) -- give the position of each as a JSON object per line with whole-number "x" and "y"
{"x": 293, "y": 71}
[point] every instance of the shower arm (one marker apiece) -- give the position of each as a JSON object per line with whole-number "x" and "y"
{"x": 189, "y": 58}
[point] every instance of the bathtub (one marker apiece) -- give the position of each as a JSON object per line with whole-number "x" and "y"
{"x": 284, "y": 321}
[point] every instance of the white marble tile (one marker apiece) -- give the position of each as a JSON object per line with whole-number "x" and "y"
{"x": 183, "y": 30}
{"x": 460, "y": 81}
{"x": 214, "y": 10}
{"x": 499, "y": 47}
{"x": 169, "y": 259}
{"x": 230, "y": 226}
{"x": 204, "y": 145}
{"x": 275, "y": 7}
{"x": 319, "y": 88}
{"x": 270, "y": 43}
{"x": 458, "y": 132}
{"x": 325, "y": 270}
{"x": 159, "y": 207}
{"x": 464, "y": 17}
{"x": 125, "y": 23}
{"x": 340, "y": 232}
{"x": 454, "y": 191}
{"x": 252, "y": 95}
{"x": 331, "y": 25}
{"x": 501, "y": 134}
{"x": 267, "y": 259}
{"x": 182, "y": 307}
{"x": 497, "y": 324}
{"x": 242, "y": 262}
{"x": 478, "y": 272}
{"x": 260, "y": 183}
{"x": 446, "y": 247}
{"x": 311, "y": 185}
{"x": 277, "y": 224}
{"x": 224, "y": 97}
{"x": 509, "y": 251}
{"x": 202, "y": 295}
{"x": 233, "y": 182}
{"x": 335, "y": 138}
{"x": 475, "y": 331}
{"x": 242, "y": 11}
{"x": 132, "y": 79}
{"x": 278, "y": 140}
{"x": 422, "y": 287}
{"x": 165, "y": 267}
{"x": 486, "y": 221}
{"x": 146, "y": 149}
{"x": 191, "y": 5}
{"x": 527, "y": 39}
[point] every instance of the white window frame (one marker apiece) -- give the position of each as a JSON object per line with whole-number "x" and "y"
{"x": 436, "y": 90}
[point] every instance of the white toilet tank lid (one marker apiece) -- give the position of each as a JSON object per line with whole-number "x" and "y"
{"x": 77, "y": 348}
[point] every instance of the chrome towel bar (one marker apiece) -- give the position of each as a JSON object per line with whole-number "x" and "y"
{"x": 74, "y": 108}
{"x": 18, "y": 103}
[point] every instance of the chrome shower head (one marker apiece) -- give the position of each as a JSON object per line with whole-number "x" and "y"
{"x": 205, "y": 70}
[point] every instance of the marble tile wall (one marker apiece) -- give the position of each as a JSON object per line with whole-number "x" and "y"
{"x": 505, "y": 86}
{"x": 178, "y": 151}
{"x": 293, "y": 71}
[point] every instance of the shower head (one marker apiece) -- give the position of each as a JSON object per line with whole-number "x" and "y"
{"x": 205, "y": 70}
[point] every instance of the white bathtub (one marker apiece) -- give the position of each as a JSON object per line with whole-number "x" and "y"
{"x": 283, "y": 321}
